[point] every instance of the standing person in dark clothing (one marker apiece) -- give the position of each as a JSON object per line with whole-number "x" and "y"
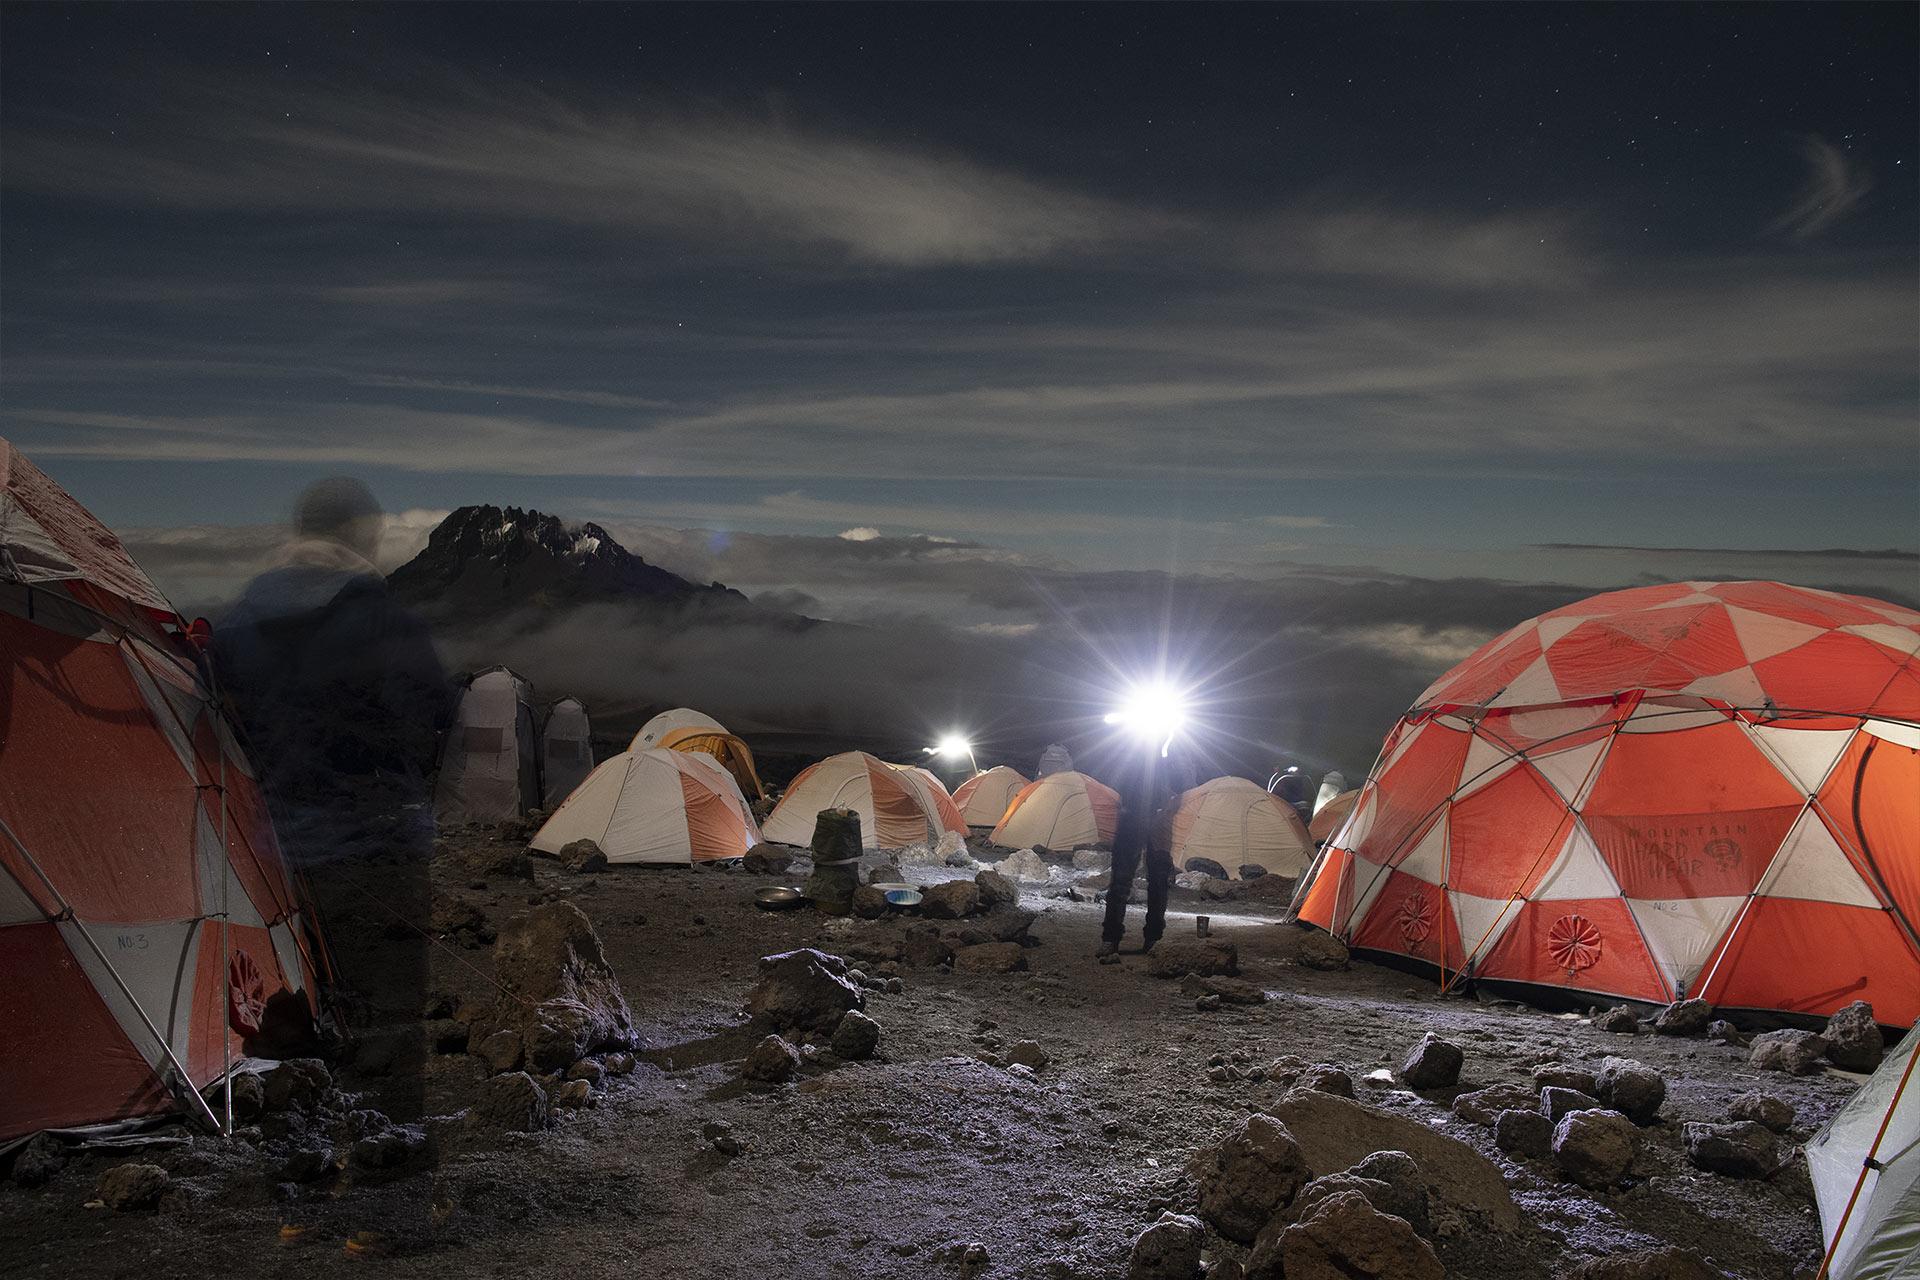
{"x": 1149, "y": 791}
{"x": 342, "y": 695}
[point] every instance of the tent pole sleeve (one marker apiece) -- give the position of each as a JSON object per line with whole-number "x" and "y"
{"x": 186, "y": 1080}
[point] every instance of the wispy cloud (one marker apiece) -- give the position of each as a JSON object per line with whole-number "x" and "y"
{"x": 1833, "y": 185}
{"x": 505, "y": 153}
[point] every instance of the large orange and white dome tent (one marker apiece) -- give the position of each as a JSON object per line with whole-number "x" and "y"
{"x": 1702, "y": 789}
{"x": 684, "y": 729}
{"x": 146, "y": 916}
{"x": 899, "y": 805}
{"x": 1066, "y": 810}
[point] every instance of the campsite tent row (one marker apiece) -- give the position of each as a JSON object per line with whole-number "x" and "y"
{"x": 147, "y": 920}
{"x": 500, "y": 759}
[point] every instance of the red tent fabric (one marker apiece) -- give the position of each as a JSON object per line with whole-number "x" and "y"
{"x": 1695, "y": 789}
{"x": 145, "y": 913}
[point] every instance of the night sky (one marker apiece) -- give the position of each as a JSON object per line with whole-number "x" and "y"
{"x": 1254, "y": 292}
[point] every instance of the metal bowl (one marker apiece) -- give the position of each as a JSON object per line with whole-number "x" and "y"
{"x": 892, "y": 886}
{"x": 779, "y": 898}
{"x": 903, "y": 897}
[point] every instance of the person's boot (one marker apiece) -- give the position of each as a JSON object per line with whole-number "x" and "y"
{"x": 1108, "y": 952}
{"x": 1146, "y": 944}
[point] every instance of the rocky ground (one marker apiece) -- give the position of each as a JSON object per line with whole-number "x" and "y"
{"x": 1026, "y": 1111}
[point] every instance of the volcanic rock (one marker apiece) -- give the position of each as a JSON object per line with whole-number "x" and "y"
{"x": 1554, "y": 1075}
{"x": 1725, "y": 1032}
{"x": 1168, "y": 1250}
{"x": 1763, "y": 1108}
{"x": 767, "y": 859}
{"x": 1683, "y": 1018}
{"x": 1853, "y": 1038}
{"x": 870, "y": 903}
{"x": 1631, "y": 1088}
{"x": 583, "y": 857}
{"x": 1595, "y": 1148}
{"x": 1482, "y": 1106}
{"x": 309, "y": 1164}
{"x": 804, "y": 989}
{"x": 771, "y": 1061}
{"x": 1432, "y": 1064}
{"x": 1401, "y": 1172}
{"x": 132, "y": 1186}
{"x": 1207, "y": 957}
{"x": 1556, "y": 1102}
{"x": 1335, "y": 1133}
{"x": 950, "y": 901}
{"x": 1795, "y": 1052}
{"x": 1248, "y": 1177}
{"x": 514, "y": 1102}
{"x": 996, "y": 889}
{"x": 1345, "y": 1237}
{"x": 856, "y": 1037}
{"x": 1327, "y": 1079}
{"x": 1738, "y": 1149}
{"x": 296, "y": 1085}
{"x": 39, "y": 1158}
{"x": 923, "y": 948}
{"x": 1524, "y": 1133}
{"x": 501, "y": 1051}
{"x": 1009, "y": 924}
{"x": 573, "y": 1093}
{"x": 1029, "y": 1054}
{"x": 562, "y": 995}
{"x": 1621, "y": 1020}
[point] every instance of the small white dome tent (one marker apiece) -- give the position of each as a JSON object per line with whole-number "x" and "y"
{"x": 655, "y": 806}
{"x": 489, "y": 764}
{"x": 983, "y": 799}
{"x": 668, "y": 722}
{"x": 1865, "y": 1166}
{"x": 899, "y": 805}
{"x": 1060, "y": 811}
{"x": 1235, "y": 824}
{"x": 566, "y": 751}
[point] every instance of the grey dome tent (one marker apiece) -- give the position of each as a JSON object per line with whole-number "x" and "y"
{"x": 1055, "y": 759}
{"x": 1865, "y": 1166}
{"x": 489, "y": 764}
{"x": 566, "y": 751}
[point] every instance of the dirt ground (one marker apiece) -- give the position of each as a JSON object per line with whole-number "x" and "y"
{"x": 891, "y": 1167}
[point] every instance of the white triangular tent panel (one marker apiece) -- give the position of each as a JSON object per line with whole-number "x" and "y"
{"x": 1482, "y": 921}
{"x": 1579, "y": 871}
{"x": 1812, "y": 866}
{"x": 1739, "y": 687}
{"x": 1898, "y": 639}
{"x": 1573, "y": 771}
{"x": 1762, "y": 635}
{"x": 157, "y": 963}
{"x": 1368, "y": 880}
{"x": 1552, "y": 629}
{"x": 1534, "y": 685}
{"x": 1907, "y": 735}
{"x": 1682, "y": 933}
{"x": 1881, "y": 1238}
{"x": 1428, "y": 858}
{"x": 1487, "y": 762}
{"x": 1353, "y": 833}
{"x": 1805, "y": 755}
